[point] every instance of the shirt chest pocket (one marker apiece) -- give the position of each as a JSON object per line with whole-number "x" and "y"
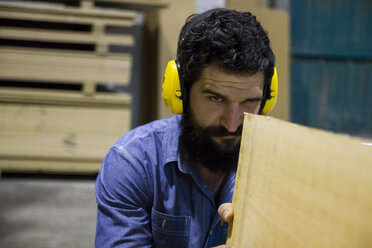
{"x": 169, "y": 230}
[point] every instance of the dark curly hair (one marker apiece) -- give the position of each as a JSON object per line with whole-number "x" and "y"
{"x": 234, "y": 41}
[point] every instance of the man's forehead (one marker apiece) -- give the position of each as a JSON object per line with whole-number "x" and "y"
{"x": 207, "y": 83}
{"x": 213, "y": 76}
{"x": 241, "y": 82}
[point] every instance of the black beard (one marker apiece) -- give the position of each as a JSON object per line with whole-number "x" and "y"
{"x": 196, "y": 140}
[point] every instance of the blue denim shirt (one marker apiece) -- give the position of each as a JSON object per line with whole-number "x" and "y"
{"x": 149, "y": 194}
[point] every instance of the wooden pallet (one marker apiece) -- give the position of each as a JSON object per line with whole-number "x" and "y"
{"x": 98, "y": 64}
{"x": 58, "y": 129}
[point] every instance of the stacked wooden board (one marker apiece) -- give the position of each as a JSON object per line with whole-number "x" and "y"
{"x": 301, "y": 187}
{"x": 58, "y": 64}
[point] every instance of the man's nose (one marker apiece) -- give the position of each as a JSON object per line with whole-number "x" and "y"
{"x": 232, "y": 118}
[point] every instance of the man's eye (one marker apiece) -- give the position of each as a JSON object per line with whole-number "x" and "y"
{"x": 215, "y": 98}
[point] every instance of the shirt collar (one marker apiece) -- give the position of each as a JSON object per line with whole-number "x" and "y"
{"x": 171, "y": 145}
{"x": 170, "y": 140}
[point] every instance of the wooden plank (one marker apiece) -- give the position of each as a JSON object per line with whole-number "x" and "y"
{"x": 66, "y": 98}
{"x": 153, "y": 3}
{"x": 86, "y": 4}
{"x": 25, "y": 164}
{"x": 243, "y": 5}
{"x": 57, "y": 66}
{"x": 44, "y": 131}
{"x": 98, "y": 31}
{"x": 89, "y": 88}
{"x": 89, "y": 4}
{"x": 75, "y": 37}
{"x": 64, "y": 18}
{"x": 140, "y": 4}
{"x": 67, "y": 14}
{"x": 301, "y": 187}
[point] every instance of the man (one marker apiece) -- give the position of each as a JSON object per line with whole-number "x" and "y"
{"x": 161, "y": 184}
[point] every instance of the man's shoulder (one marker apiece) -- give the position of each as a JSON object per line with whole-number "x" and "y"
{"x": 154, "y": 130}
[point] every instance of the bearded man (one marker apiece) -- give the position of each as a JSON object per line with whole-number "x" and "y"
{"x": 161, "y": 184}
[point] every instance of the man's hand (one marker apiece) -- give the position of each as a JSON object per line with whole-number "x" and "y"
{"x": 226, "y": 213}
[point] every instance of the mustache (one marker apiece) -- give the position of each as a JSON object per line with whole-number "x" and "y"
{"x": 220, "y": 131}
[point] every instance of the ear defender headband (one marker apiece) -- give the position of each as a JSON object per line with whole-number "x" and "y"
{"x": 173, "y": 91}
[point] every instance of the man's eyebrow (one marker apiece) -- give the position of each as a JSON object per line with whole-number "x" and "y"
{"x": 253, "y": 99}
{"x": 208, "y": 91}
{"x": 250, "y": 99}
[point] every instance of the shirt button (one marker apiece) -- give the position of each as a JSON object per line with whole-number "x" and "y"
{"x": 210, "y": 233}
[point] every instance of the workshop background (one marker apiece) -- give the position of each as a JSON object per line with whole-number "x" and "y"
{"x": 75, "y": 75}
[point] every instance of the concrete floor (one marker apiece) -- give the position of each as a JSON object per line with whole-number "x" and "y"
{"x": 47, "y": 213}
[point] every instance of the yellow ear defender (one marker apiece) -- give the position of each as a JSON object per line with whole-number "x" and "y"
{"x": 173, "y": 91}
{"x": 270, "y": 102}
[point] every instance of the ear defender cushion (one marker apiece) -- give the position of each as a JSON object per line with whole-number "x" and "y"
{"x": 172, "y": 92}
{"x": 270, "y": 102}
